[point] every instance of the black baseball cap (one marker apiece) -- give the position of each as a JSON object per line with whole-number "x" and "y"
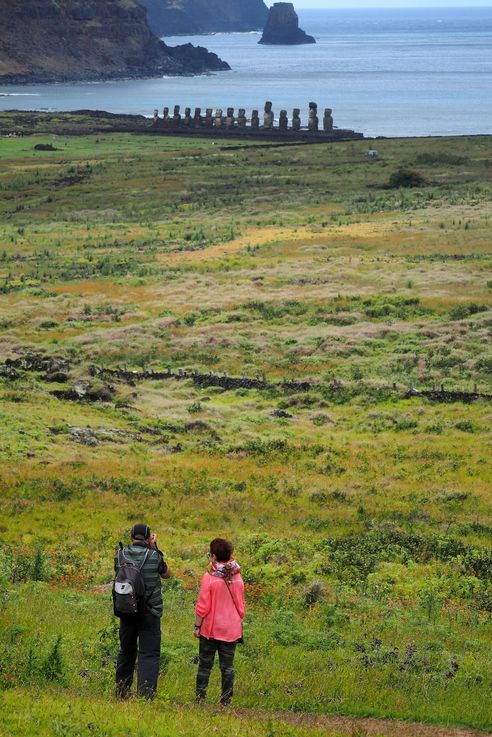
{"x": 140, "y": 532}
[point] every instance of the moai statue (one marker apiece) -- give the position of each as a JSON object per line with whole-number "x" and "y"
{"x": 268, "y": 116}
{"x": 187, "y": 117}
{"x": 176, "y": 116}
{"x": 296, "y": 119}
{"x": 230, "y": 119}
{"x": 165, "y": 117}
{"x": 282, "y": 121}
{"x": 313, "y": 116}
{"x": 209, "y": 121}
{"x": 197, "y": 119}
{"x": 241, "y": 118}
{"x": 218, "y": 118}
{"x": 255, "y": 120}
{"x": 156, "y": 116}
{"x": 328, "y": 120}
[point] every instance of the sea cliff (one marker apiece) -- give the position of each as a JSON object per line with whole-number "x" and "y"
{"x": 46, "y": 41}
{"x": 175, "y": 17}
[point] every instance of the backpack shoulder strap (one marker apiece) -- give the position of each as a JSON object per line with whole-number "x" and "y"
{"x": 123, "y": 560}
{"x": 144, "y": 559}
{"x": 151, "y": 551}
{"x": 120, "y": 555}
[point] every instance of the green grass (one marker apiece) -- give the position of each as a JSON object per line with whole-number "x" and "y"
{"x": 362, "y": 520}
{"x": 56, "y": 714}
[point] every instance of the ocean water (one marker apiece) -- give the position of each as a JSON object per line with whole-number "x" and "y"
{"x": 383, "y": 71}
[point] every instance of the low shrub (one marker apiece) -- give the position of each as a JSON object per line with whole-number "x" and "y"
{"x": 353, "y": 557}
{"x": 460, "y": 312}
{"x": 406, "y": 178}
{"x": 440, "y": 157}
{"x": 484, "y": 364}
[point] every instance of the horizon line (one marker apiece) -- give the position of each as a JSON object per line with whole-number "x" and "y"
{"x": 465, "y": 6}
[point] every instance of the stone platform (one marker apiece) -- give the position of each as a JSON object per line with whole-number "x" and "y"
{"x": 216, "y": 124}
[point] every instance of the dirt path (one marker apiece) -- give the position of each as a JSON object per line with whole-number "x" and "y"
{"x": 361, "y": 726}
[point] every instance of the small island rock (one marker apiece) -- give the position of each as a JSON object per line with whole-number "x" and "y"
{"x": 282, "y": 27}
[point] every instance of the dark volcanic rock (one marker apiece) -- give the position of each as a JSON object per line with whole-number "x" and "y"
{"x": 173, "y": 17}
{"x": 45, "y": 147}
{"x": 38, "y": 362}
{"x": 49, "y": 41}
{"x": 282, "y": 27}
{"x": 86, "y": 391}
{"x": 197, "y": 58}
{"x": 7, "y": 372}
{"x": 57, "y": 377}
{"x": 280, "y": 413}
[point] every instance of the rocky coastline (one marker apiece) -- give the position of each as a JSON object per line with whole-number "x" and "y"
{"x": 42, "y": 42}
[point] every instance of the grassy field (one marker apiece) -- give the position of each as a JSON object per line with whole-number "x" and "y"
{"x": 362, "y": 518}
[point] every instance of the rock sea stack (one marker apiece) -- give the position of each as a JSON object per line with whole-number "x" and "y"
{"x": 282, "y": 27}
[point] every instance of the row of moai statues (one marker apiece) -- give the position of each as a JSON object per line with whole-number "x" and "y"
{"x": 217, "y": 120}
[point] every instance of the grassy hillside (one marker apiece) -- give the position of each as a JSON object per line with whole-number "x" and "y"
{"x": 362, "y": 518}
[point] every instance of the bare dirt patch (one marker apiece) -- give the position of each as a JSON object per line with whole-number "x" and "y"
{"x": 363, "y": 726}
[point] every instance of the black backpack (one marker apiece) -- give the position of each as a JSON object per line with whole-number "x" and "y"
{"x": 129, "y": 586}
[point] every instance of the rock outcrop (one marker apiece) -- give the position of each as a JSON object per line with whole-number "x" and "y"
{"x": 49, "y": 41}
{"x": 177, "y": 17}
{"x": 282, "y": 27}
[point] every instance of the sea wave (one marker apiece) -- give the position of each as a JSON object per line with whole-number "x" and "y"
{"x": 20, "y": 94}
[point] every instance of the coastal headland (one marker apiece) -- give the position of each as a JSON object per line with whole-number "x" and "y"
{"x": 43, "y": 41}
{"x": 188, "y": 17}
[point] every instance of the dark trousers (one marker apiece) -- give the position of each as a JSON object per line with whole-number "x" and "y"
{"x": 146, "y": 632}
{"x": 206, "y": 655}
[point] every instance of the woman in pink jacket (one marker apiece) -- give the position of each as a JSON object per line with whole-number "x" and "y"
{"x": 219, "y": 613}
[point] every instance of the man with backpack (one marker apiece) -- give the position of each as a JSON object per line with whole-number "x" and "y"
{"x": 137, "y": 599}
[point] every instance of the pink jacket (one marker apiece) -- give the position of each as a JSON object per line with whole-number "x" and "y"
{"x": 221, "y": 619}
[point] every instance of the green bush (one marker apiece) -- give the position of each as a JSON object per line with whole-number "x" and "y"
{"x": 353, "y": 557}
{"x": 406, "y": 178}
{"x": 484, "y": 363}
{"x": 467, "y": 426}
{"x": 460, "y": 312}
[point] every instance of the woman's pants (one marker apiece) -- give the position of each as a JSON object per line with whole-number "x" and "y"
{"x": 206, "y": 654}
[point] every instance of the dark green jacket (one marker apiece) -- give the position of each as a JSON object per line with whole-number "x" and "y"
{"x": 154, "y": 567}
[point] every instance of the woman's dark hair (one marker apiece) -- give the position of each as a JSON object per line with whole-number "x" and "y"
{"x": 222, "y": 549}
